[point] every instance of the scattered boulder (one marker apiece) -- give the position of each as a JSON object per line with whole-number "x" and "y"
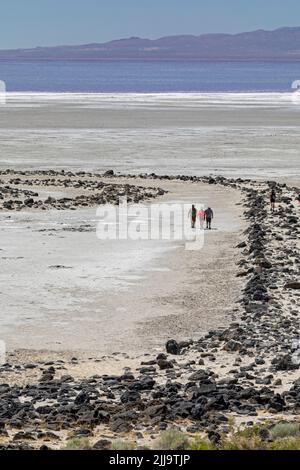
{"x": 292, "y": 285}
{"x": 102, "y": 444}
{"x": 286, "y": 362}
{"x": 233, "y": 346}
{"x": 109, "y": 173}
{"x": 173, "y": 347}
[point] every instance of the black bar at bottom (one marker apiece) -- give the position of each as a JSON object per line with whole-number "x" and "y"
{"x": 149, "y": 459}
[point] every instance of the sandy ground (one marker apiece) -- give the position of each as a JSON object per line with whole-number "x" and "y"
{"x": 131, "y": 308}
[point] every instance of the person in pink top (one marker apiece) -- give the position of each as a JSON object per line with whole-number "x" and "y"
{"x": 201, "y": 217}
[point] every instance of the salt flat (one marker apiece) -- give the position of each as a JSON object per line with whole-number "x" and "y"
{"x": 233, "y": 134}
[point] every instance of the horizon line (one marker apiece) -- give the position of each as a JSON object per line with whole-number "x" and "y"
{"x": 128, "y": 38}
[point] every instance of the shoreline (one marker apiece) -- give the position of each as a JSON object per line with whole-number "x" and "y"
{"x": 244, "y": 372}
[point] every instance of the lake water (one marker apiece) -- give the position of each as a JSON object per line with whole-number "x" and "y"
{"x": 148, "y": 77}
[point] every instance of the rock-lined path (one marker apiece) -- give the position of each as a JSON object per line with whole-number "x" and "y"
{"x": 247, "y": 371}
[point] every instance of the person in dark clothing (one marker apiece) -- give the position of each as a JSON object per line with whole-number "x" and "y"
{"x": 209, "y": 215}
{"x": 193, "y": 216}
{"x": 273, "y": 199}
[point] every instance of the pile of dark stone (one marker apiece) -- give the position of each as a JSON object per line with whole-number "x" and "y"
{"x": 95, "y": 191}
{"x": 125, "y": 403}
{"x": 12, "y": 198}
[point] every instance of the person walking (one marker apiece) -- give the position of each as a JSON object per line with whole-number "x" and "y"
{"x": 201, "y": 217}
{"x": 193, "y": 216}
{"x": 209, "y": 215}
{"x": 273, "y": 199}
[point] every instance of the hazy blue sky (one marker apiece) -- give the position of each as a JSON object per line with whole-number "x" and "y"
{"x": 29, "y": 23}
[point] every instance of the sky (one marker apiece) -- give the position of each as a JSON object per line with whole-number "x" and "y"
{"x": 31, "y": 23}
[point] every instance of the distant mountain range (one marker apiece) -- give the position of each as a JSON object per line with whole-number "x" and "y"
{"x": 281, "y": 44}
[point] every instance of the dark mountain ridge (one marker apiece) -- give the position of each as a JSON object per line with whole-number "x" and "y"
{"x": 281, "y": 44}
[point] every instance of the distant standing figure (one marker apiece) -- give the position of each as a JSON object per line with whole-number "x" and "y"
{"x": 193, "y": 215}
{"x": 209, "y": 215}
{"x": 273, "y": 199}
{"x": 201, "y": 217}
